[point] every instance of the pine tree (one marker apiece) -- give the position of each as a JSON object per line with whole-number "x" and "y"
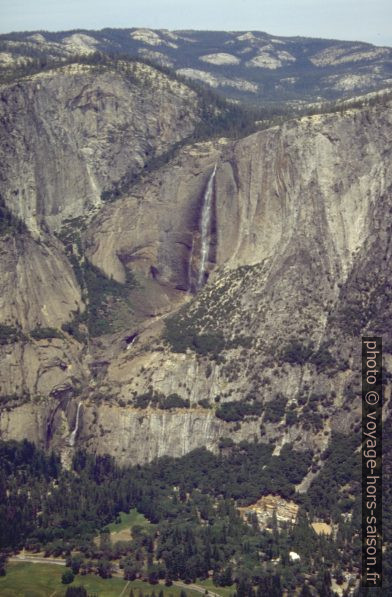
{"x": 276, "y": 586}
{"x": 305, "y": 592}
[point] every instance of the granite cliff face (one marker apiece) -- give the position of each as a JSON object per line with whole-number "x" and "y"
{"x": 301, "y": 213}
{"x": 69, "y": 135}
{"x": 297, "y": 210}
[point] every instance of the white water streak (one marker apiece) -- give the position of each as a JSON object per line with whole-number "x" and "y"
{"x": 72, "y": 437}
{"x": 205, "y": 229}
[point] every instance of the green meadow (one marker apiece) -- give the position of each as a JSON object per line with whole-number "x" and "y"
{"x": 134, "y": 518}
{"x": 25, "y": 579}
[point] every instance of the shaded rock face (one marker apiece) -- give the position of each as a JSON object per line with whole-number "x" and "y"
{"x": 301, "y": 212}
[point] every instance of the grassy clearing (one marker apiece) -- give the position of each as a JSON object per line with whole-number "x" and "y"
{"x": 25, "y": 579}
{"x": 147, "y": 589}
{"x": 43, "y": 580}
{"x": 128, "y": 521}
{"x": 209, "y": 585}
{"x": 31, "y": 580}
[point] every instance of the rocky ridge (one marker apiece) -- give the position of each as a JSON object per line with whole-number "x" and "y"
{"x": 253, "y": 65}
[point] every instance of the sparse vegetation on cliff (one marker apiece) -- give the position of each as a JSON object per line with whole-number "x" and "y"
{"x": 103, "y": 294}
{"x": 275, "y": 409}
{"x": 183, "y": 335}
{"x": 76, "y": 327}
{"x": 238, "y": 410}
{"x": 297, "y": 352}
{"x": 159, "y": 400}
{"x": 9, "y": 224}
{"x": 45, "y": 333}
{"x": 9, "y": 334}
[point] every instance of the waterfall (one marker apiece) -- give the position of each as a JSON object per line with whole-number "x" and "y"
{"x": 205, "y": 226}
{"x": 72, "y": 437}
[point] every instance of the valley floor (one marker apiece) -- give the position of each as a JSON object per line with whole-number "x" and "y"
{"x": 30, "y": 576}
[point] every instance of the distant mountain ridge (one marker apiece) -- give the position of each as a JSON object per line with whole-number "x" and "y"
{"x": 252, "y": 66}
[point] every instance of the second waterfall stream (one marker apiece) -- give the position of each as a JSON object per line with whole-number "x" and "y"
{"x": 72, "y": 437}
